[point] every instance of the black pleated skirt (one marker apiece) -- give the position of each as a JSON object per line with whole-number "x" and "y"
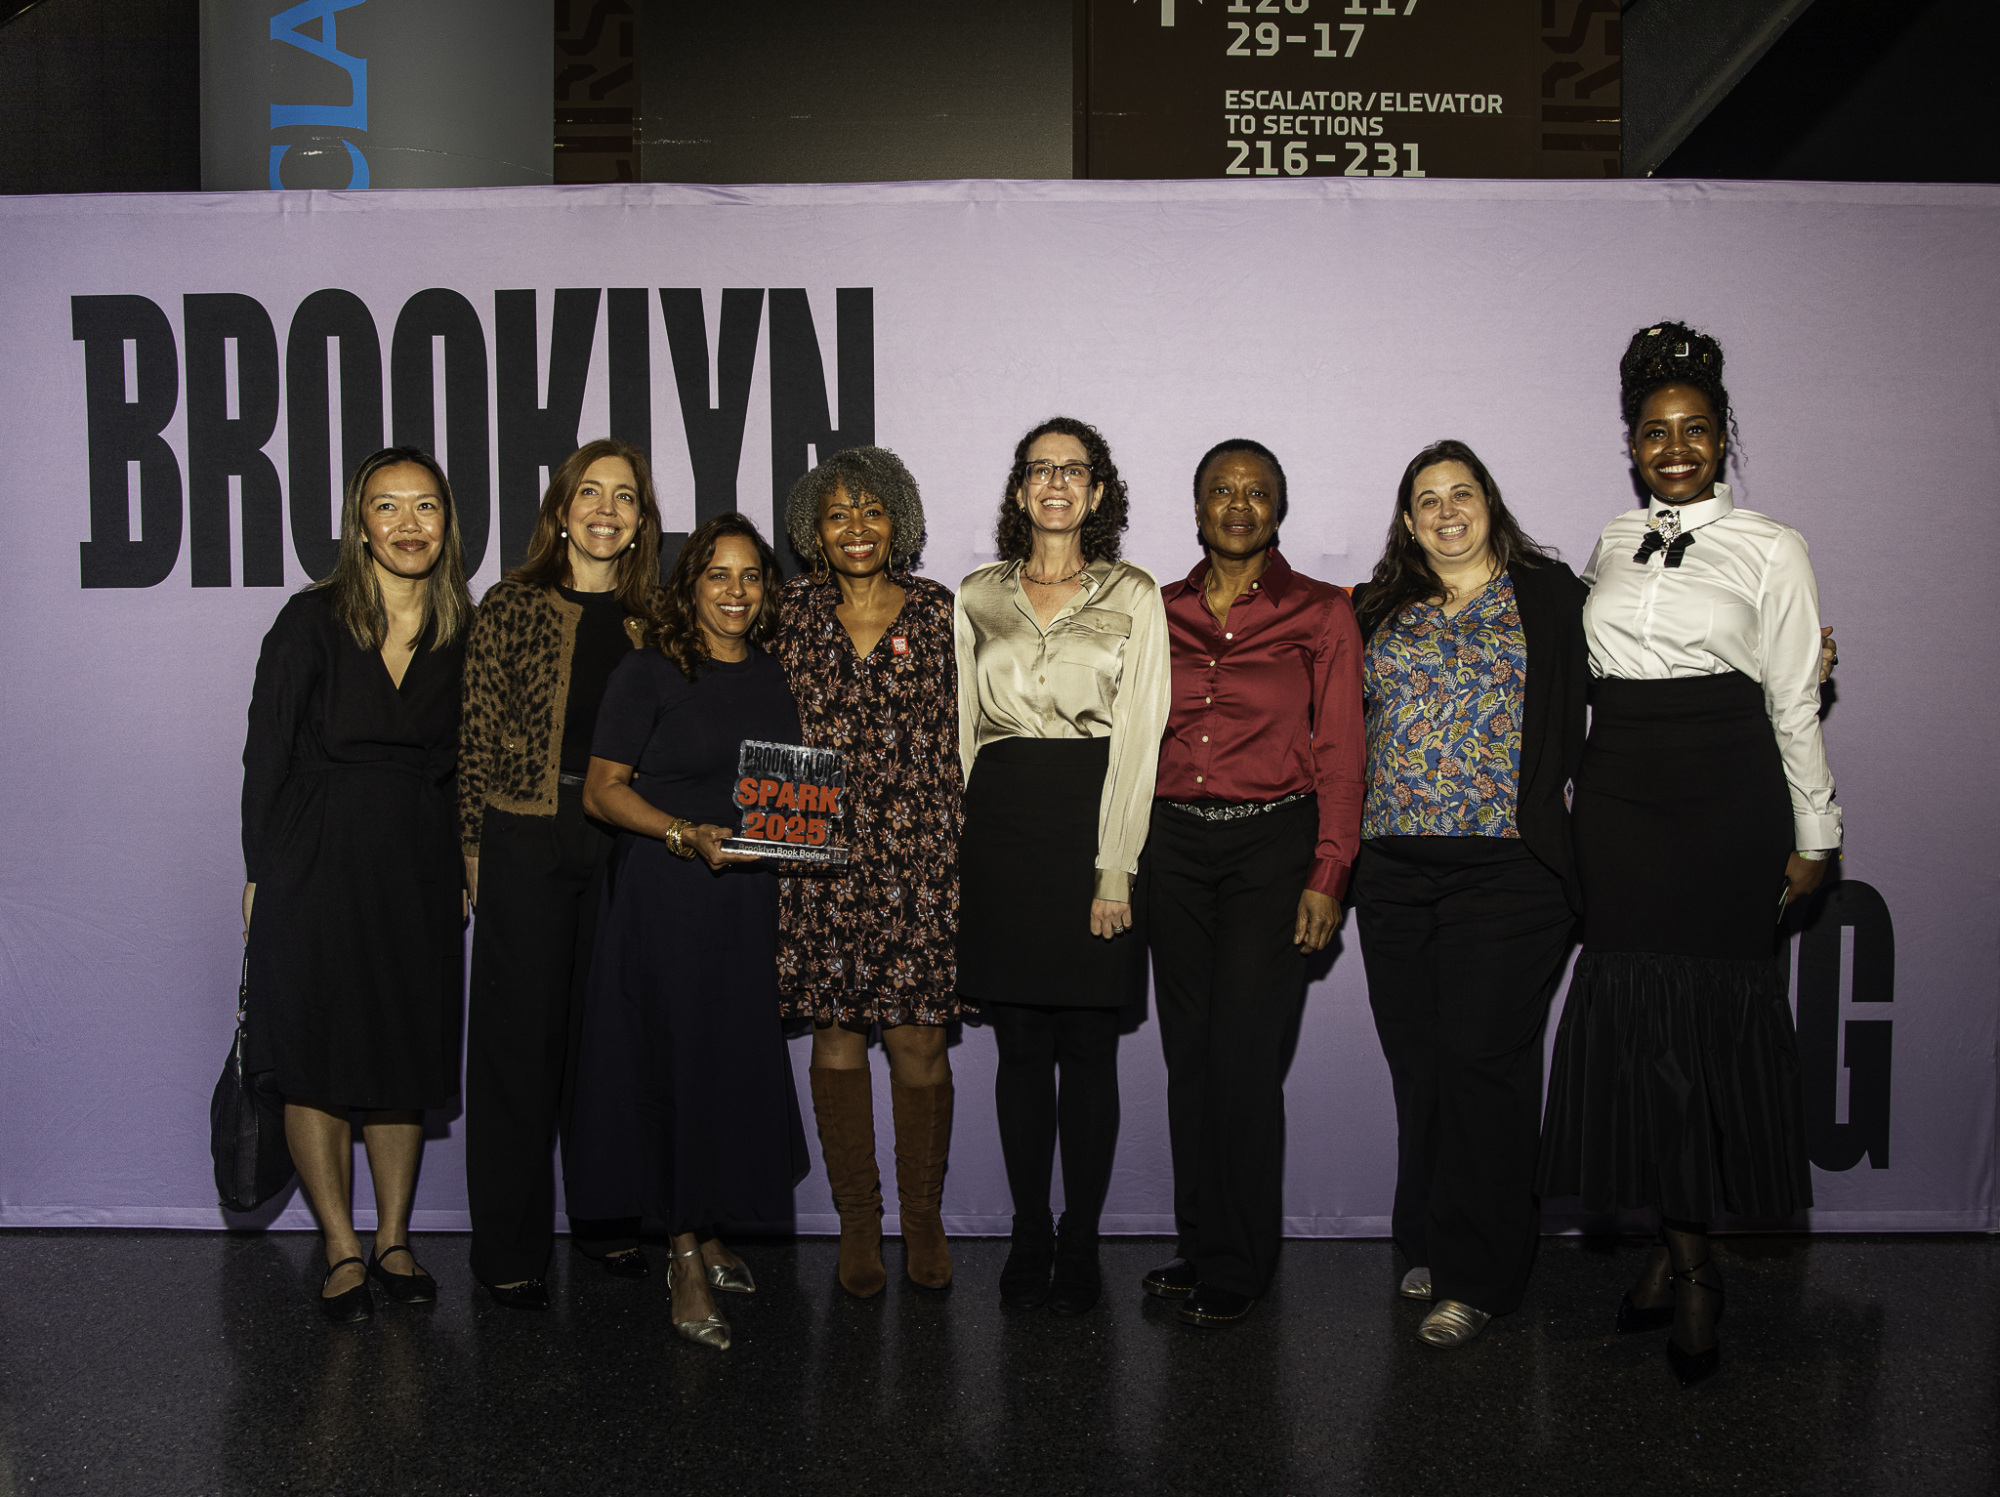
{"x": 1027, "y": 872}
{"x": 1675, "y": 1080}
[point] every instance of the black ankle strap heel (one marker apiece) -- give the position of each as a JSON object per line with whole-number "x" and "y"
{"x": 1692, "y": 1367}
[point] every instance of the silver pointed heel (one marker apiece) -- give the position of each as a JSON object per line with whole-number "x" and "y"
{"x": 712, "y": 1330}
{"x": 731, "y": 1278}
{"x": 1452, "y": 1323}
{"x": 1416, "y": 1284}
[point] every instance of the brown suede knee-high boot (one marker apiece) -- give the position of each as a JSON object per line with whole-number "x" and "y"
{"x": 845, "y": 1110}
{"x": 923, "y": 1142}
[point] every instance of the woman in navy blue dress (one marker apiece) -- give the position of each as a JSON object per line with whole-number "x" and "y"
{"x": 686, "y": 1112}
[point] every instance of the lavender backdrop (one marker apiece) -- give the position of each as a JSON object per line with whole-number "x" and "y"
{"x": 1344, "y": 323}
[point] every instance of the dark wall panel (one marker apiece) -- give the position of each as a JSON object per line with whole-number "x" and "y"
{"x": 891, "y": 90}
{"x": 101, "y": 96}
{"x": 1858, "y": 91}
{"x": 104, "y": 95}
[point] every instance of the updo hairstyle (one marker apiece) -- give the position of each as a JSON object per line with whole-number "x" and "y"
{"x": 1672, "y": 353}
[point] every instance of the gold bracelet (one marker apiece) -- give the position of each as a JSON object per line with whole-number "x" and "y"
{"x": 675, "y": 839}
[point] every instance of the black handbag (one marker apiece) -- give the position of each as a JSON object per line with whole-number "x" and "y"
{"x": 246, "y": 1124}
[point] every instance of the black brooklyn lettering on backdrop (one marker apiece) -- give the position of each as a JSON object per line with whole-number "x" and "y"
{"x": 342, "y": 319}
{"x": 230, "y": 421}
{"x": 1833, "y": 1145}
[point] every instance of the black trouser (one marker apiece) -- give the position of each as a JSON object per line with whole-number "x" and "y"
{"x": 1229, "y": 982}
{"x": 539, "y": 882}
{"x": 1463, "y": 939}
{"x": 1033, "y": 1040}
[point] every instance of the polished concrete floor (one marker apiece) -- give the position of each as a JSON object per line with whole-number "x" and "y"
{"x": 167, "y": 1363}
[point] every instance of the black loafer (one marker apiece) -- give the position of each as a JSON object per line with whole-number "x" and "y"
{"x": 1208, "y": 1305}
{"x": 1173, "y": 1280}
{"x": 628, "y": 1265}
{"x": 533, "y": 1294}
{"x": 413, "y": 1288}
{"x": 350, "y": 1305}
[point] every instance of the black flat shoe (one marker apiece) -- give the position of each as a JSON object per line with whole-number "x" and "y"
{"x": 1634, "y": 1318}
{"x": 1693, "y": 1367}
{"x": 1210, "y": 1306}
{"x": 1078, "y": 1282}
{"x": 1024, "y": 1278}
{"x": 415, "y": 1288}
{"x": 632, "y": 1265}
{"x": 620, "y": 1263}
{"x": 530, "y": 1295}
{"x": 350, "y": 1305}
{"x": 1172, "y": 1280}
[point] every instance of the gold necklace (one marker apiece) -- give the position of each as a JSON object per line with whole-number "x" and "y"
{"x": 1059, "y": 581}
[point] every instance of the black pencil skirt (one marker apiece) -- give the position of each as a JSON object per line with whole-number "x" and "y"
{"x": 1675, "y": 1080}
{"x": 1027, "y": 872}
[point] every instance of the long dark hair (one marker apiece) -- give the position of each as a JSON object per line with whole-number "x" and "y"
{"x": 1404, "y": 576}
{"x": 1014, "y": 533}
{"x": 357, "y": 594}
{"x": 547, "y": 564}
{"x": 675, "y": 631}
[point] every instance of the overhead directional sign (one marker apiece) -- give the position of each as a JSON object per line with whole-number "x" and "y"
{"x": 1356, "y": 88}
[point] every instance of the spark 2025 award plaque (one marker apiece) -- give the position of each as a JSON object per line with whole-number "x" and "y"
{"x": 793, "y": 802}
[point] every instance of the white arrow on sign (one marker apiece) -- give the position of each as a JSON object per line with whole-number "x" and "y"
{"x": 1167, "y": 11}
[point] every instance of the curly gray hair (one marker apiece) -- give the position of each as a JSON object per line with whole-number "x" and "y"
{"x": 874, "y": 471}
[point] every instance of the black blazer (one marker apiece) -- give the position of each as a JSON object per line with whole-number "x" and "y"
{"x": 1553, "y": 713}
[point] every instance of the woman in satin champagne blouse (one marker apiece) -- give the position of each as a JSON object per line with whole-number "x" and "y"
{"x": 1062, "y": 689}
{"x": 1703, "y": 807}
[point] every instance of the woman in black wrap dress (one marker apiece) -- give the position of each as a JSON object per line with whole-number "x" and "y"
{"x": 352, "y": 862}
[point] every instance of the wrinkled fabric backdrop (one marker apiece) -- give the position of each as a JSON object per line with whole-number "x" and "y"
{"x": 1346, "y": 324}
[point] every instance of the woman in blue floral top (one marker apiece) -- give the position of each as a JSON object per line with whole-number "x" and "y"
{"x": 1474, "y": 676}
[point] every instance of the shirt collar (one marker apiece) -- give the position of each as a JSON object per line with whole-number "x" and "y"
{"x": 1694, "y": 516}
{"x": 1276, "y": 581}
{"x": 1092, "y": 578}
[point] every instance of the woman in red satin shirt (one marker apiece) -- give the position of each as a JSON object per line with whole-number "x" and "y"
{"x": 1256, "y": 823}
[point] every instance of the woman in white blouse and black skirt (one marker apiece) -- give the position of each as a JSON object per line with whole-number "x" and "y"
{"x": 1062, "y": 690}
{"x": 1703, "y": 807}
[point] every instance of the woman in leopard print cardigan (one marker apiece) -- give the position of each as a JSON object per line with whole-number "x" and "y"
{"x": 545, "y": 641}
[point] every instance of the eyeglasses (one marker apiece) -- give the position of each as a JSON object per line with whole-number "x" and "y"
{"x": 1045, "y": 475}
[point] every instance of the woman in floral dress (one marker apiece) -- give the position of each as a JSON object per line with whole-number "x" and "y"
{"x": 868, "y": 650}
